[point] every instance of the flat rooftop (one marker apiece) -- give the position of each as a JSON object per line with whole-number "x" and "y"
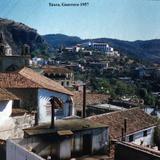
{"x": 107, "y": 106}
{"x": 64, "y": 126}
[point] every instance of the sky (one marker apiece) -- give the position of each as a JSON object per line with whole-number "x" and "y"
{"x": 120, "y": 19}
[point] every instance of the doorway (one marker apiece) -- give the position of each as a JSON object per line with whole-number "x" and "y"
{"x": 87, "y": 144}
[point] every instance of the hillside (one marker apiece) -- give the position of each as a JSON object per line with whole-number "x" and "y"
{"x": 17, "y": 34}
{"x": 56, "y": 40}
{"x": 145, "y": 50}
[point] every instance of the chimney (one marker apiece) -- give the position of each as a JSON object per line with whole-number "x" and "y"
{"x": 84, "y": 100}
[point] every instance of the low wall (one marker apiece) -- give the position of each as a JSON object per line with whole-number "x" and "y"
{"x": 16, "y": 152}
{"x": 129, "y": 152}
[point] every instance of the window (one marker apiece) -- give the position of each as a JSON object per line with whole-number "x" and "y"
{"x": 79, "y": 113}
{"x": 62, "y": 83}
{"x": 67, "y": 83}
{"x": 145, "y": 133}
{"x": 131, "y": 138}
{"x": 16, "y": 103}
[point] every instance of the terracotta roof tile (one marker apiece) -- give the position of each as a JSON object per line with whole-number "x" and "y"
{"x": 27, "y": 78}
{"x": 91, "y": 98}
{"x": 59, "y": 70}
{"x": 136, "y": 120}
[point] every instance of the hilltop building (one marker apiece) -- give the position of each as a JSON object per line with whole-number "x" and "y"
{"x": 100, "y": 47}
{"x": 104, "y": 47}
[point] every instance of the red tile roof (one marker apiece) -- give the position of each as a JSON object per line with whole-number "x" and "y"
{"x": 27, "y": 78}
{"x": 136, "y": 120}
{"x": 91, "y": 98}
{"x": 56, "y": 70}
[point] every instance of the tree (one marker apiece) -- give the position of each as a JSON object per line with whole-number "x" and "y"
{"x": 143, "y": 93}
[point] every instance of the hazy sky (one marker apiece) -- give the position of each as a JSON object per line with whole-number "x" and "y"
{"x": 122, "y": 19}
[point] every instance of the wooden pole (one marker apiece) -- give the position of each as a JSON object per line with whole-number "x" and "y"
{"x": 84, "y": 100}
{"x": 52, "y": 117}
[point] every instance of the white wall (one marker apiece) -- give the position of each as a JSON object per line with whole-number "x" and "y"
{"x": 65, "y": 149}
{"x": 138, "y": 137}
{"x": 5, "y": 110}
{"x": 100, "y": 139}
{"x": 16, "y": 152}
{"x": 78, "y": 140}
{"x": 44, "y": 106}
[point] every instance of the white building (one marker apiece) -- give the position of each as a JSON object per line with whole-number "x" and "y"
{"x": 37, "y": 61}
{"x": 6, "y": 102}
{"x": 35, "y": 92}
{"x": 101, "y": 47}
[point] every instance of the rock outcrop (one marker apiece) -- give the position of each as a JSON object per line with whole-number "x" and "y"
{"x": 15, "y": 35}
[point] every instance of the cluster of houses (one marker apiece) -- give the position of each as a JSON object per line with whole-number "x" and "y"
{"x": 87, "y": 50}
{"x": 39, "y": 121}
{"x": 90, "y": 47}
{"x": 147, "y": 72}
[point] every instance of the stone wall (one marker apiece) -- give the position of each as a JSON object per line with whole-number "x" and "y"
{"x": 13, "y": 128}
{"x": 22, "y": 122}
{"x": 13, "y": 62}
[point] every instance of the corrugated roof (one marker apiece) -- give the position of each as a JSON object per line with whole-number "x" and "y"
{"x": 5, "y": 95}
{"x": 136, "y": 120}
{"x": 27, "y": 78}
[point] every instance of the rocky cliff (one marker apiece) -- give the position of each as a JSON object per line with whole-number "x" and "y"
{"x": 16, "y": 35}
